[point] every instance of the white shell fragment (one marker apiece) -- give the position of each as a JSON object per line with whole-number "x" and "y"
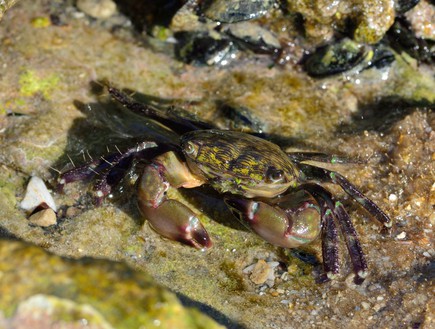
{"x": 36, "y": 194}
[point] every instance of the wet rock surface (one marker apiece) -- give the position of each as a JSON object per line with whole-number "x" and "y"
{"x": 50, "y": 112}
{"x": 40, "y": 290}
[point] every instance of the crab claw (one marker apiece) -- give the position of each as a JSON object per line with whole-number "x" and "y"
{"x": 175, "y": 221}
{"x": 288, "y": 228}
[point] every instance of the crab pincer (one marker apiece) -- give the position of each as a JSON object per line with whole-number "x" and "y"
{"x": 291, "y": 221}
{"x": 170, "y": 218}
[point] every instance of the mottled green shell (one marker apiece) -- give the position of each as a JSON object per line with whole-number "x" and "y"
{"x": 238, "y": 163}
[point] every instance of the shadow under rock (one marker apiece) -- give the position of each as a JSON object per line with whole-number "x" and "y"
{"x": 216, "y": 315}
{"x": 382, "y": 115}
{"x": 6, "y": 235}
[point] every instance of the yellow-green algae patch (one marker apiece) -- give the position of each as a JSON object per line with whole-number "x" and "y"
{"x": 31, "y": 83}
{"x": 124, "y": 298}
{"x": 41, "y": 22}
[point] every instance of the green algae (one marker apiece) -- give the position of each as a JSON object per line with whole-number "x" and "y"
{"x": 32, "y": 83}
{"x": 41, "y": 22}
{"x": 414, "y": 86}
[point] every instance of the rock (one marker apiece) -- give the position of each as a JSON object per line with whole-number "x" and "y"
{"x": 44, "y": 311}
{"x": 261, "y": 272}
{"x": 44, "y": 218}
{"x": 39, "y": 290}
{"x": 97, "y": 8}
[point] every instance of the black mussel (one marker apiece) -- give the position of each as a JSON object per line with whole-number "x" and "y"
{"x": 203, "y": 48}
{"x": 402, "y": 6}
{"x": 402, "y": 39}
{"x": 232, "y": 11}
{"x": 240, "y": 118}
{"x": 382, "y": 57}
{"x": 345, "y": 55}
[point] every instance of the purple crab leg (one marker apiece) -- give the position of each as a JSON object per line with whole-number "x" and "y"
{"x": 331, "y": 265}
{"x": 350, "y": 235}
{"x": 353, "y": 245}
{"x": 368, "y": 204}
{"x": 102, "y": 187}
{"x": 334, "y": 177}
{"x": 84, "y": 172}
{"x": 105, "y": 168}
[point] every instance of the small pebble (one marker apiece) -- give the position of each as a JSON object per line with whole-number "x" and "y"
{"x": 260, "y": 272}
{"x": 401, "y": 236}
{"x": 44, "y": 218}
{"x": 392, "y": 197}
{"x": 97, "y": 8}
{"x": 36, "y": 195}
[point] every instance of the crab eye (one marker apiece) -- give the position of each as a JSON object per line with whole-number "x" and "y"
{"x": 190, "y": 148}
{"x": 275, "y": 175}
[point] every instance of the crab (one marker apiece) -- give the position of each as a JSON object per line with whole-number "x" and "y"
{"x": 277, "y": 194}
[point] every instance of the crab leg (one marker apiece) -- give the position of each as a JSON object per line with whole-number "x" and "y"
{"x": 350, "y": 189}
{"x": 84, "y": 172}
{"x": 368, "y": 204}
{"x": 106, "y": 168}
{"x": 170, "y": 218}
{"x": 350, "y": 236}
{"x": 317, "y": 157}
{"x": 331, "y": 265}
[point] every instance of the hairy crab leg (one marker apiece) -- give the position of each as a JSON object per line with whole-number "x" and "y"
{"x": 334, "y": 177}
{"x": 170, "y": 218}
{"x": 114, "y": 173}
{"x": 104, "y": 167}
{"x": 84, "y": 172}
{"x": 350, "y": 235}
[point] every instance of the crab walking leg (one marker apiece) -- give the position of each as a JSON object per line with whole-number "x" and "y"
{"x": 84, "y": 172}
{"x": 170, "y": 218}
{"x": 334, "y": 177}
{"x": 100, "y": 167}
{"x": 292, "y": 221}
{"x": 368, "y": 204}
{"x": 331, "y": 265}
{"x": 115, "y": 172}
{"x": 350, "y": 236}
